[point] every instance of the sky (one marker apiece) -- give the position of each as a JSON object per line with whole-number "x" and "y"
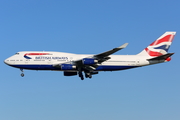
{"x": 89, "y": 27}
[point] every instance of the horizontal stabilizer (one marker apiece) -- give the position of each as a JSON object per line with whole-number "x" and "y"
{"x": 162, "y": 57}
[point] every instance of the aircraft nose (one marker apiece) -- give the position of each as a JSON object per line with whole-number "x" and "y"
{"x": 6, "y": 61}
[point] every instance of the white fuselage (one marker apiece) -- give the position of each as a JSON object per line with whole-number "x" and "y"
{"x": 77, "y": 64}
{"x": 35, "y": 60}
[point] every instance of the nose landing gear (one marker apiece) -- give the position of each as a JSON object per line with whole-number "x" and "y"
{"x": 22, "y": 74}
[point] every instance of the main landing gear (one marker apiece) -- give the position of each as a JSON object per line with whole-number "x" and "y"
{"x": 81, "y": 75}
{"x": 87, "y": 74}
{"x": 22, "y": 74}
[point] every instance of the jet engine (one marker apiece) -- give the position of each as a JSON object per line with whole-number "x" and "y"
{"x": 68, "y": 67}
{"x": 94, "y": 72}
{"x": 70, "y": 73}
{"x": 89, "y": 61}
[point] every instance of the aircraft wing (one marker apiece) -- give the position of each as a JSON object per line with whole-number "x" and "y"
{"x": 107, "y": 53}
{"x": 91, "y": 63}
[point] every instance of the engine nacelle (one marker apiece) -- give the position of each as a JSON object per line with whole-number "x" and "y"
{"x": 67, "y": 67}
{"x": 89, "y": 61}
{"x": 70, "y": 73}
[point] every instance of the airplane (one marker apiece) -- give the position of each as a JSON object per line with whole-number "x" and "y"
{"x": 88, "y": 64}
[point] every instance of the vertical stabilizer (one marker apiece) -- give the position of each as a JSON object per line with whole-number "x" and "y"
{"x": 160, "y": 46}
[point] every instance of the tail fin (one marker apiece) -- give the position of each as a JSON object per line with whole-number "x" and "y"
{"x": 160, "y": 46}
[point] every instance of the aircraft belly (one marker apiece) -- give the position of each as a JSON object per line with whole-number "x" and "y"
{"x": 50, "y": 67}
{"x": 117, "y": 64}
{"x": 113, "y": 68}
{"x": 36, "y": 67}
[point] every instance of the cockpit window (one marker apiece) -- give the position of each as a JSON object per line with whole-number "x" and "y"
{"x": 17, "y": 54}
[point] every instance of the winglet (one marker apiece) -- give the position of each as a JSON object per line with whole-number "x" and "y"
{"x": 123, "y": 46}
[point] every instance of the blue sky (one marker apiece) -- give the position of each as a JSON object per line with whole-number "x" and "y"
{"x": 94, "y": 26}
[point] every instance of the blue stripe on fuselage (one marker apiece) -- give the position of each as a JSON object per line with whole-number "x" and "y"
{"x": 51, "y": 67}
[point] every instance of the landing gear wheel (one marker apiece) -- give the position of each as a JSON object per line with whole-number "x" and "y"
{"x": 82, "y": 78}
{"x": 81, "y": 75}
{"x": 22, "y": 74}
{"x": 86, "y": 75}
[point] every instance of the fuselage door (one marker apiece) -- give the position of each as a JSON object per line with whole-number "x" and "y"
{"x": 137, "y": 62}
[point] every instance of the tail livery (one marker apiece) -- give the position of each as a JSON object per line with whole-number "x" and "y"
{"x": 160, "y": 46}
